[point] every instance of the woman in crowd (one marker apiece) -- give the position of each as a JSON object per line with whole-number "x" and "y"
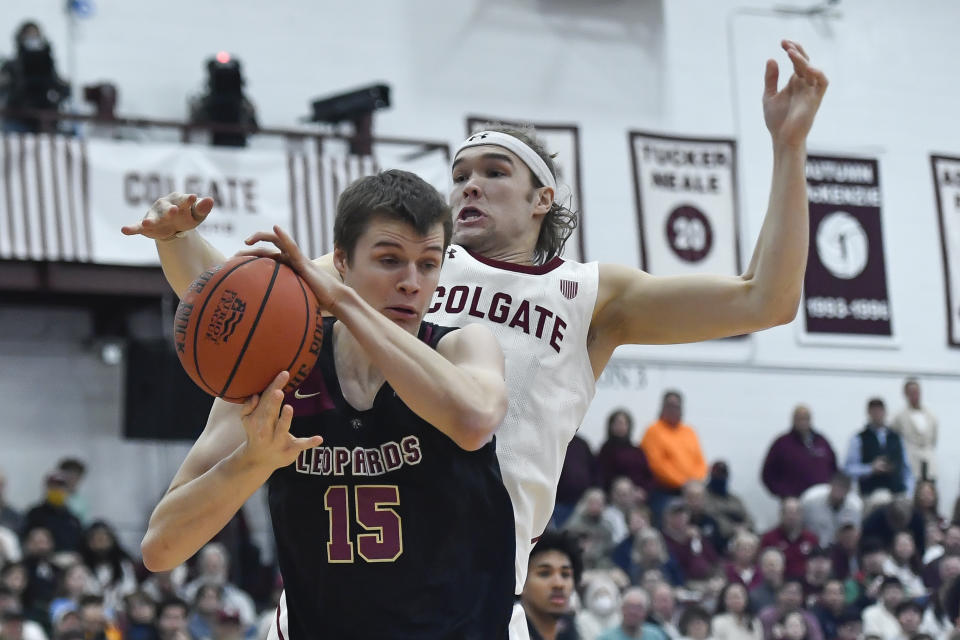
{"x": 734, "y": 619}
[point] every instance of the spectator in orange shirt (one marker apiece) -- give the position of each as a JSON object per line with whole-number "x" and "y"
{"x": 673, "y": 452}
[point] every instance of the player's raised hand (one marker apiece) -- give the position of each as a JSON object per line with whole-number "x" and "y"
{"x": 789, "y": 112}
{"x": 324, "y": 285}
{"x": 266, "y": 421}
{"x": 171, "y": 214}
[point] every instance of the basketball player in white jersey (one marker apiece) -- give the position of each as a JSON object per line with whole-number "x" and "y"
{"x": 559, "y": 321}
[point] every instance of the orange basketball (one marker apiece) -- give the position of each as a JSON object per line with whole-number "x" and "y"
{"x": 243, "y": 322}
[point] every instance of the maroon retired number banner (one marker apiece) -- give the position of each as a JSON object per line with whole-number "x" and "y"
{"x": 845, "y": 287}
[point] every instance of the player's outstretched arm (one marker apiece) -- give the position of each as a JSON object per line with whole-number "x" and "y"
{"x": 459, "y": 388}
{"x": 634, "y": 307}
{"x": 236, "y": 453}
{"x": 185, "y": 257}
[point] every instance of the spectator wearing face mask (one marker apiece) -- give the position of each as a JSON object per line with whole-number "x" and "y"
{"x": 601, "y": 606}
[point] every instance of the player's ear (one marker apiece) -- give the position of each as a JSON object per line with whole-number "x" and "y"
{"x": 543, "y": 200}
{"x": 340, "y": 260}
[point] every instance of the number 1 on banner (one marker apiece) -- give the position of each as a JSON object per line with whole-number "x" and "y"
{"x": 373, "y": 513}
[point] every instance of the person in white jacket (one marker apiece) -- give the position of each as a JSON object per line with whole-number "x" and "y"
{"x": 918, "y": 428}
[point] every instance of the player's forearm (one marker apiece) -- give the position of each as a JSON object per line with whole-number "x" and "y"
{"x": 183, "y": 259}
{"x": 466, "y": 407}
{"x": 191, "y": 514}
{"x": 780, "y": 256}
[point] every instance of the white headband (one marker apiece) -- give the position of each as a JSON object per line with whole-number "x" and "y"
{"x": 530, "y": 157}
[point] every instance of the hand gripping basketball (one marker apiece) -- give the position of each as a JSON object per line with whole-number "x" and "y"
{"x": 266, "y": 422}
{"x": 171, "y": 215}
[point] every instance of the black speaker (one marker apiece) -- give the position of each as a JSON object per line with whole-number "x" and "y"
{"x": 162, "y": 402}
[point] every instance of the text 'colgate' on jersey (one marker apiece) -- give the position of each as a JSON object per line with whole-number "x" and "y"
{"x": 501, "y": 308}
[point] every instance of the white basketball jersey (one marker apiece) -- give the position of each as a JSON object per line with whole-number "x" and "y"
{"x": 541, "y": 316}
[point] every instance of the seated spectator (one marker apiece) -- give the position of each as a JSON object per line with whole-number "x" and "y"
{"x": 579, "y": 472}
{"x": 695, "y": 556}
{"x": 918, "y": 428}
{"x": 633, "y": 612}
{"x": 936, "y": 620}
{"x": 622, "y": 500}
{"x": 110, "y": 564}
{"x": 819, "y": 570}
{"x": 207, "y": 603}
{"x": 41, "y": 573}
{"x": 742, "y": 566}
{"x": 844, "y": 553}
{"x": 673, "y": 452}
{"x": 830, "y": 607}
{"x": 172, "y": 619}
{"x": 951, "y": 546}
{"x": 789, "y": 598}
{"x": 949, "y": 570}
{"x": 601, "y": 605}
{"x": 619, "y": 456}
{"x": 793, "y": 626}
{"x": 880, "y": 619}
{"x": 694, "y": 495}
{"x": 926, "y": 502}
{"x": 14, "y": 625}
{"x": 14, "y": 578}
{"x": 909, "y": 615}
{"x": 726, "y": 508}
{"x": 864, "y": 588}
{"x": 554, "y": 571}
{"x": 53, "y": 515}
{"x": 825, "y": 506}
{"x": 885, "y": 522}
{"x": 791, "y": 538}
{"x": 165, "y": 585}
{"x": 140, "y": 617}
{"x": 798, "y": 459}
{"x": 66, "y": 625}
{"x": 663, "y": 610}
{"x": 74, "y": 582}
{"x": 9, "y": 517}
{"x": 228, "y": 626}
{"x": 645, "y": 550}
{"x": 850, "y": 626}
{"x": 589, "y": 528}
{"x": 734, "y": 619}
{"x": 214, "y": 566}
{"x": 876, "y": 457}
{"x": 904, "y": 564}
{"x": 694, "y": 623}
{"x": 772, "y": 565}
{"x": 94, "y": 622}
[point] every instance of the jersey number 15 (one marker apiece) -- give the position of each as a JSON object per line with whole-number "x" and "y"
{"x": 384, "y": 542}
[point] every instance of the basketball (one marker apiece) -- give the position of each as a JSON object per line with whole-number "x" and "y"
{"x": 243, "y": 322}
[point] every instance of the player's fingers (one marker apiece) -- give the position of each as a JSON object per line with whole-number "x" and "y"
{"x": 770, "y": 78}
{"x": 262, "y": 236}
{"x": 175, "y": 198}
{"x": 796, "y": 45}
{"x": 800, "y": 64}
{"x": 131, "y": 229}
{"x": 259, "y": 252}
{"x": 285, "y": 419}
{"x": 202, "y": 208}
{"x": 307, "y": 443}
{"x": 287, "y": 244}
{"x": 250, "y": 405}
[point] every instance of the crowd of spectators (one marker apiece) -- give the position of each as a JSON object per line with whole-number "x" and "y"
{"x": 860, "y": 549}
{"x": 657, "y": 546}
{"x": 65, "y": 576}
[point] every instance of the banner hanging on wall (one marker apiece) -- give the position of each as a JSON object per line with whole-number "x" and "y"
{"x": 946, "y": 179}
{"x": 845, "y": 287}
{"x": 686, "y": 192}
{"x": 65, "y": 199}
{"x": 564, "y": 141}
